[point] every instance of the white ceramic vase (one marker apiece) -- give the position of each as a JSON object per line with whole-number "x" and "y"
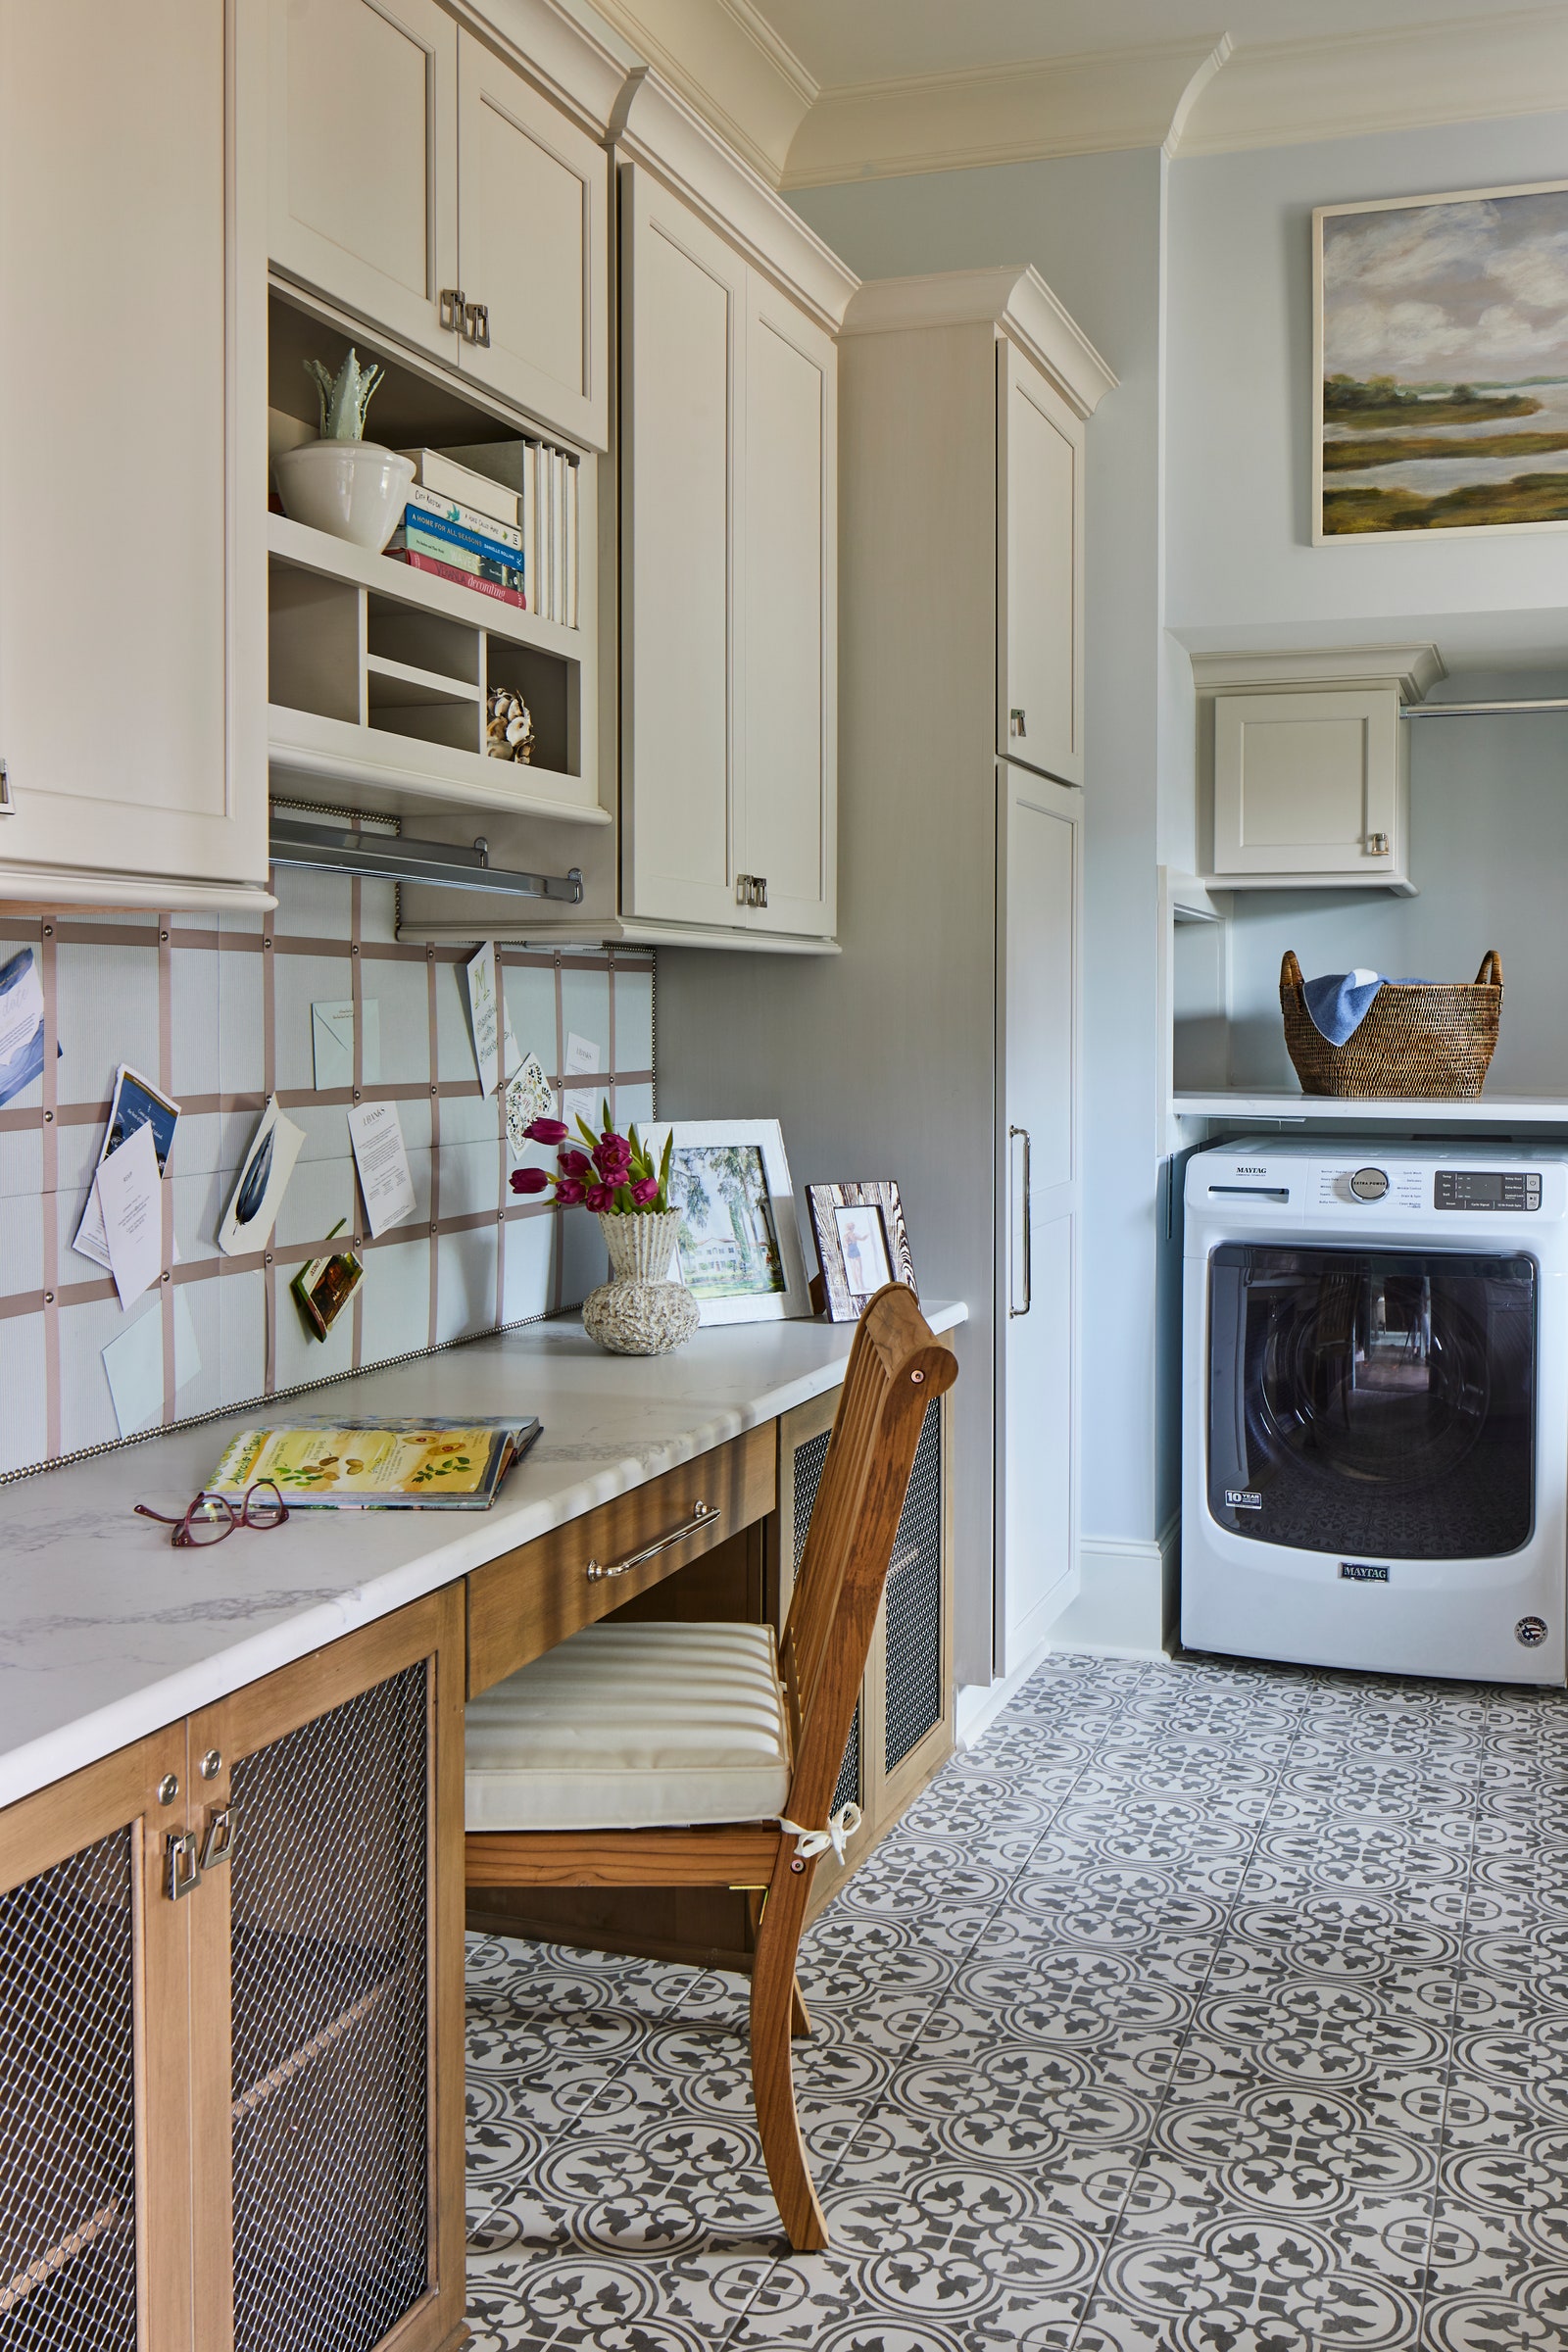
{"x": 639, "y": 1311}
{"x": 352, "y": 489}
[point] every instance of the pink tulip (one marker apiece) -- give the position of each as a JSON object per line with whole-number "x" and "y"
{"x": 645, "y": 1192}
{"x": 575, "y": 1163}
{"x": 612, "y": 1159}
{"x": 568, "y": 1190}
{"x": 530, "y": 1180}
{"x": 548, "y": 1131}
{"x": 599, "y": 1197}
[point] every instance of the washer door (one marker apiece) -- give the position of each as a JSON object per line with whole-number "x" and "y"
{"x": 1373, "y": 1402}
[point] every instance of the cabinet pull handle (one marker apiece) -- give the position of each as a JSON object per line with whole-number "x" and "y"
{"x": 750, "y": 890}
{"x": 1015, "y": 725}
{"x": 703, "y": 1515}
{"x": 1013, "y": 1133}
{"x": 477, "y": 324}
{"x": 8, "y": 805}
{"x": 1377, "y": 845}
{"x": 451, "y": 307}
{"x": 219, "y": 1842}
{"x": 182, "y": 1872}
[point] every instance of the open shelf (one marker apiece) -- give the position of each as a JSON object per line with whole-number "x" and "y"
{"x": 1535, "y": 1110}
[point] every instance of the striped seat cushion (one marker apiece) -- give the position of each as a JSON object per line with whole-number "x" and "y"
{"x": 633, "y": 1727}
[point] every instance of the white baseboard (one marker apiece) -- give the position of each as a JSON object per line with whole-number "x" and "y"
{"x": 1127, "y": 1606}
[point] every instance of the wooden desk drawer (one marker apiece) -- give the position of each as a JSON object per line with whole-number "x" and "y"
{"x": 525, "y": 1602}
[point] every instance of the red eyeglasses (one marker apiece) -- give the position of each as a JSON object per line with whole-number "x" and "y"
{"x": 212, "y": 1517}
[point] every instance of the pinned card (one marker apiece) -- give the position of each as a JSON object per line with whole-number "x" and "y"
{"x": 529, "y": 1097}
{"x": 496, "y": 1053}
{"x": 333, "y": 1043}
{"x": 259, "y": 1188}
{"x": 133, "y": 1362}
{"x": 129, "y": 1204}
{"x": 21, "y": 1024}
{"x": 382, "y": 1158}
{"x": 585, "y": 1104}
{"x": 137, "y": 1103}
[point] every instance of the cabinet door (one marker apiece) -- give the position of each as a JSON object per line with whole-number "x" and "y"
{"x": 788, "y": 816}
{"x": 1039, "y": 891}
{"x": 532, "y": 246}
{"x": 364, "y": 117}
{"x": 131, "y": 708}
{"x": 683, "y": 356}
{"x": 1039, "y": 572}
{"x": 327, "y": 1998}
{"x": 94, "y": 2074}
{"x": 1308, "y": 783}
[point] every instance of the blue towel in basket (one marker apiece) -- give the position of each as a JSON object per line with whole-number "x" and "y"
{"x": 1339, "y": 1002}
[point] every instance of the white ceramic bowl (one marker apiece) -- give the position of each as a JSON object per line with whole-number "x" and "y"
{"x": 349, "y": 488}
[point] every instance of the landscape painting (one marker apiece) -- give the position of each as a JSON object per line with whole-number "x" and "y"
{"x": 1442, "y": 363}
{"x": 726, "y": 1243}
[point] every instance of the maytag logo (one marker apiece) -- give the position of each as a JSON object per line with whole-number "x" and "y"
{"x": 1241, "y": 1171}
{"x": 1361, "y": 1572}
{"x": 1242, "y": 1498}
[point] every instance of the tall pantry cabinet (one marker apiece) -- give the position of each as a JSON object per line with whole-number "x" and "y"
{"x": 943, "y": 1047}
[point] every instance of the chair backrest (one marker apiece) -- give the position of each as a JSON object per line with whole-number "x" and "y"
{"x": 897, "y": 1369}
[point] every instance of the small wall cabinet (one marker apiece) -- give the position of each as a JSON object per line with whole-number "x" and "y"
{"x": 231, "y": 2019}
{"x": 405, "y": 155}
{"x": 1039, "y": 571}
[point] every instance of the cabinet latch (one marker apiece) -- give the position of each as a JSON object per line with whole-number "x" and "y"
{"x": 218, "y": 1844}
{"x": 183, "y": 1870}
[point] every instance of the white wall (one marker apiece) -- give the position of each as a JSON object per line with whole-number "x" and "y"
{"x": 1240, "y": 395}
{"x": 1092, "y": 225}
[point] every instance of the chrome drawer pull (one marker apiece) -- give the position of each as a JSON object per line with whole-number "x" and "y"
{"x": 703, "y": 1515}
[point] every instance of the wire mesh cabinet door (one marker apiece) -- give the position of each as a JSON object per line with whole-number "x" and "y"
{"x": 327, "y": 1998}
{"x": 94, "y": 2111}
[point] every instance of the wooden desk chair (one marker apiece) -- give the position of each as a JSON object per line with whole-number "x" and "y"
{"x": 624, "y": 1756}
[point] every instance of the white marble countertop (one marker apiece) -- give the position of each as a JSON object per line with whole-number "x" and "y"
{"x": 107, "y": 1632}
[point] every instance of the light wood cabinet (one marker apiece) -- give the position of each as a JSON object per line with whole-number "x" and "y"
{"x": 1039, "y": 571}
{"x": 424, "y": 183}
{"x": 132, "y": 479}
{"x": 728, "y": 564}
{"x": 232, "y": 2019}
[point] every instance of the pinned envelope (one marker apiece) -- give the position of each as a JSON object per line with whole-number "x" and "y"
{"x": 333, "y": 1043}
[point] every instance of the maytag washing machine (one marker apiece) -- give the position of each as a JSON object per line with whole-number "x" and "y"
{"x": 1376, "y": 1407}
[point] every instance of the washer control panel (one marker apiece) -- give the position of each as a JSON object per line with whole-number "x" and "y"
{"x": 1363, "y": 1184}
{"x": 1486, "y": 1188}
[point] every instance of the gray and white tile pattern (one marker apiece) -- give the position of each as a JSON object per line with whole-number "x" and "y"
{"x": 1201, "y": 2008}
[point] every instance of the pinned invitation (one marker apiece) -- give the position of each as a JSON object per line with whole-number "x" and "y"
{"x": 136, "y": 1103}
{"x": 382, "y": 1158}
{"x": 582, "y": 1056}
{"x": 128, "y": 1206}
{"x": 496, "y": 1053}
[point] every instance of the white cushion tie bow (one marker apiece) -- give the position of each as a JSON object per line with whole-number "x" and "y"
{"x": 840, "y": 1827}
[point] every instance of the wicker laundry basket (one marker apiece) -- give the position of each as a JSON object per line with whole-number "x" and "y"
{"x": 1416, "y": 1039}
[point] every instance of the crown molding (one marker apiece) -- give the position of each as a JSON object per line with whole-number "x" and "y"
{"x": 1016, "y": 301}
{"x": 1284, "y": 93}
{"x": 728, "y": 64}
{"x": 1089, "y": 104}
{"x": 655, "y": 126}
{"x": 1414, "y": 668}
{"x": 561, "y": 49}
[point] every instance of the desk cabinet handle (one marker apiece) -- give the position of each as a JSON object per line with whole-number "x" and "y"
{"x": 703, "y": 1515}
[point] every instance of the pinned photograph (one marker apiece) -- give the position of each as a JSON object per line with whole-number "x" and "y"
{"x": 324, "y": 1286}
{"x": 262, "y": 1182}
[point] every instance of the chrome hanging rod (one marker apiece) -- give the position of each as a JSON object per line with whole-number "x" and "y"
{"x": 1482, "y": 710}
{"x": 394, "y": 857}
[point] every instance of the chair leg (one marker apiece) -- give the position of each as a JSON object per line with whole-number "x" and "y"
{"x": 774, "y": 1994}
{"x": 799, "y": 2015}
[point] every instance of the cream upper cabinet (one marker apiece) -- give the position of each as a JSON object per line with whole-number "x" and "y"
{"x": 728, "y": 568}
{"x": 132, "y": 450}
{"x": 533, "y": 249}
{"x": 683, "y": 316}
{"x": 364, "y": 140}
{"x": 425, "y": 184}
{"x": 1039, "y": 571}
{"x": 789, "y": 831}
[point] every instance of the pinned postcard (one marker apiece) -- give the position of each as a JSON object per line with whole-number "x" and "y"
{"x": 496, "y": 1052}
{"x": 263, "y": 1180}
{"x": 382, "y": 1158}
{"x": 133, "y": 1362}
{"x": 582, "y": 1056}
{"x": 137, "y": 1103}
{"x": 333, "y": 1043}
{"x": 529, "y": 1097}
{"x": 130, "y": 1205}
{"x": 21, "y": 1024}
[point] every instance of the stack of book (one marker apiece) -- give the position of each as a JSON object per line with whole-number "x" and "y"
{"x": 544, "y": 485}
{"x": 450, "y": 528}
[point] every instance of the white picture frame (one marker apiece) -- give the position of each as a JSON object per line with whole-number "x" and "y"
{"x": 744, "y": 1302}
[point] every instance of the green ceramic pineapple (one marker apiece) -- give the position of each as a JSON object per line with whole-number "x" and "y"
{"x": 345, "y": 397}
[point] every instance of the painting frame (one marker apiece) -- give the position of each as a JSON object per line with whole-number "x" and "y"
{"x": 764, "y": 1137}
{"x": 829, "y": 1204}
{"x": 1320, "y": 537}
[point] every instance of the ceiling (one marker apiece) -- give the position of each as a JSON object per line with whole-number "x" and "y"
{"x": 815, "y": 91}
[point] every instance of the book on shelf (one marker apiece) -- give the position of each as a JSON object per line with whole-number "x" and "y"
{"x": 413, "y": 534}
{"x": 454, "y": 534}
{"x": 569, "y": 610}
{"x": 318, "y": 1463}
{"x": 546, "y": 483}
{"x": 482, "y": 528}
{"x": 417, "y": 561}
{"x": 448, "y": 480}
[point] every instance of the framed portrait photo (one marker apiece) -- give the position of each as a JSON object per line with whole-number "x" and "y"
{"x": 1441, "y": 346}
{"x": 738, "y": 1248}
{"x": 862, "y": 1244}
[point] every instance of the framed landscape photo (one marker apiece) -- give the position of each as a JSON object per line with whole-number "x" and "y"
{"x": 1441, "y": 349}
{"x": 738, "y": 1248}
{"x": 862, "y": 1244}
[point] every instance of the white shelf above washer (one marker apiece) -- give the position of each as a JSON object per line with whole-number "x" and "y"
{"x": 1538, "y": 1111}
